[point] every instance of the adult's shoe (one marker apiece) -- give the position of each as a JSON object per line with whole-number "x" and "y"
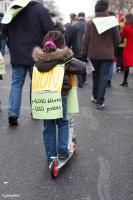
{"x": 124, "y": 84}
{"x": 13, "y": 121}
{"x": 118, "y": 69}
{"x": 108, "y": 83}
{"x": 93, "y": 100}
{"x": 100, "y": 106}
{"x": 80, "y": 85}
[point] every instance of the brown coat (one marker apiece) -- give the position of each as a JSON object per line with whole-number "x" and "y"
{"x": 100, "y": 46}
{"x": 46, "y": 61}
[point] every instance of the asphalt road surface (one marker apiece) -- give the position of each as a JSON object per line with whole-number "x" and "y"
{"x": 101, "y": 169}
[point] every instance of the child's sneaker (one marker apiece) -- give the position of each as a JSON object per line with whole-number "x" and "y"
{"x": 63, "y": 156}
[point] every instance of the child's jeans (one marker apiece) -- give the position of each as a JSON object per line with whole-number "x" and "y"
{"x": 53, "y": 147}
{"x": 0, "y": 100}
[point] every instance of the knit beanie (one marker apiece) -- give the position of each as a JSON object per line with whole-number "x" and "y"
{"x": 101, "y": 6}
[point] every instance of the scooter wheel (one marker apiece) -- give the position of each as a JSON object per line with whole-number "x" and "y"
{"x": 74, "y": 143}
{"x": 54, "y": 169}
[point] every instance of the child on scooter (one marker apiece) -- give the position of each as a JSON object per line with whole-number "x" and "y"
{"x": 55, "y": 52}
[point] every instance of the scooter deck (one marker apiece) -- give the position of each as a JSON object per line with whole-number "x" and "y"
{"x": 71, "y": 146}
{"x": 57, "y": 163}
{"x": 62, "y": 162}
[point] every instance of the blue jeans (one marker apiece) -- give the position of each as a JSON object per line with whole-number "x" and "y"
{"x": 2, "y": 46}
{"x": 110, "y": 72}
{"x": 53, "y": 147}
{"x": 100, "y": 79}
{"x": 18, "y": 79}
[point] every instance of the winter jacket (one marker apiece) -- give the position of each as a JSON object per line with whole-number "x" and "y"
{"x": 26, "y": 31}
{"x": 74, "y": 37}
{"x": 47, "y": 61}
{"x": 100, "y": 46}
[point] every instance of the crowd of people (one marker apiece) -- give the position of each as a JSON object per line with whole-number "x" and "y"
{"x": 80, "y": 40}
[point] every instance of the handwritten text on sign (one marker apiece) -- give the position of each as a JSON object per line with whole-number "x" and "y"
{"x": 48, "y": 81}
{"x": 47, "y": 105}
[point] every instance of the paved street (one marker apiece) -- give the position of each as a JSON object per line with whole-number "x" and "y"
{"x": 102, "y": 168}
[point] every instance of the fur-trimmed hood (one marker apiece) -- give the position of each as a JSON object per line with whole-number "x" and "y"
{"x": 47, "y": 61}
{"x": 59, "y": 55}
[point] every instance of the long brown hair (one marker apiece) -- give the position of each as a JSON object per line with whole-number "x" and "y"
{"x": 129, "y": 19}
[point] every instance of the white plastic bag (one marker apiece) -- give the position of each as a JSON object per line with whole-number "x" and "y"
{"x": 89, "y": 67}
{"x": 2, "y": 65}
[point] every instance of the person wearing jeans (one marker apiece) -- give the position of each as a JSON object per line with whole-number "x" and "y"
{"x": 100, "y": 79}
{"x": 110, "y": 75}
{"x": 18, "y": 78}
{"x": 23, "y": 35}
{"x": 53, "y": 53}
{"x": 99, "y": 47}
{"x": 49, "y": 134}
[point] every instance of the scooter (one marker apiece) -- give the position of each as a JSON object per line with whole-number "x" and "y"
{"x": 57, "y": 164}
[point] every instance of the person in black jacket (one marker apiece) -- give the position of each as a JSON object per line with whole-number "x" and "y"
{"x": 2, "y": 37}
{"x": 74, "y": 40}
{"x": 2, "y": 44}
{"x": 24, "y": 32}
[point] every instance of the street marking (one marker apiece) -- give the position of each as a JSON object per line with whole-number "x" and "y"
{"x": 5, "y": 182}
{"x": 104, "y": 179}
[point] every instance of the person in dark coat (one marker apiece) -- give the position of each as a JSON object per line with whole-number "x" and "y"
{"x": 2, "y": 40}
{"x": 58, "y": 26}
{"x": 2, "y": 44}
{"x": 24, "y": 32}
{"x": 2, "y": 37}
{"x": 74, "y": 41}
{"x": 69, "y": 26}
